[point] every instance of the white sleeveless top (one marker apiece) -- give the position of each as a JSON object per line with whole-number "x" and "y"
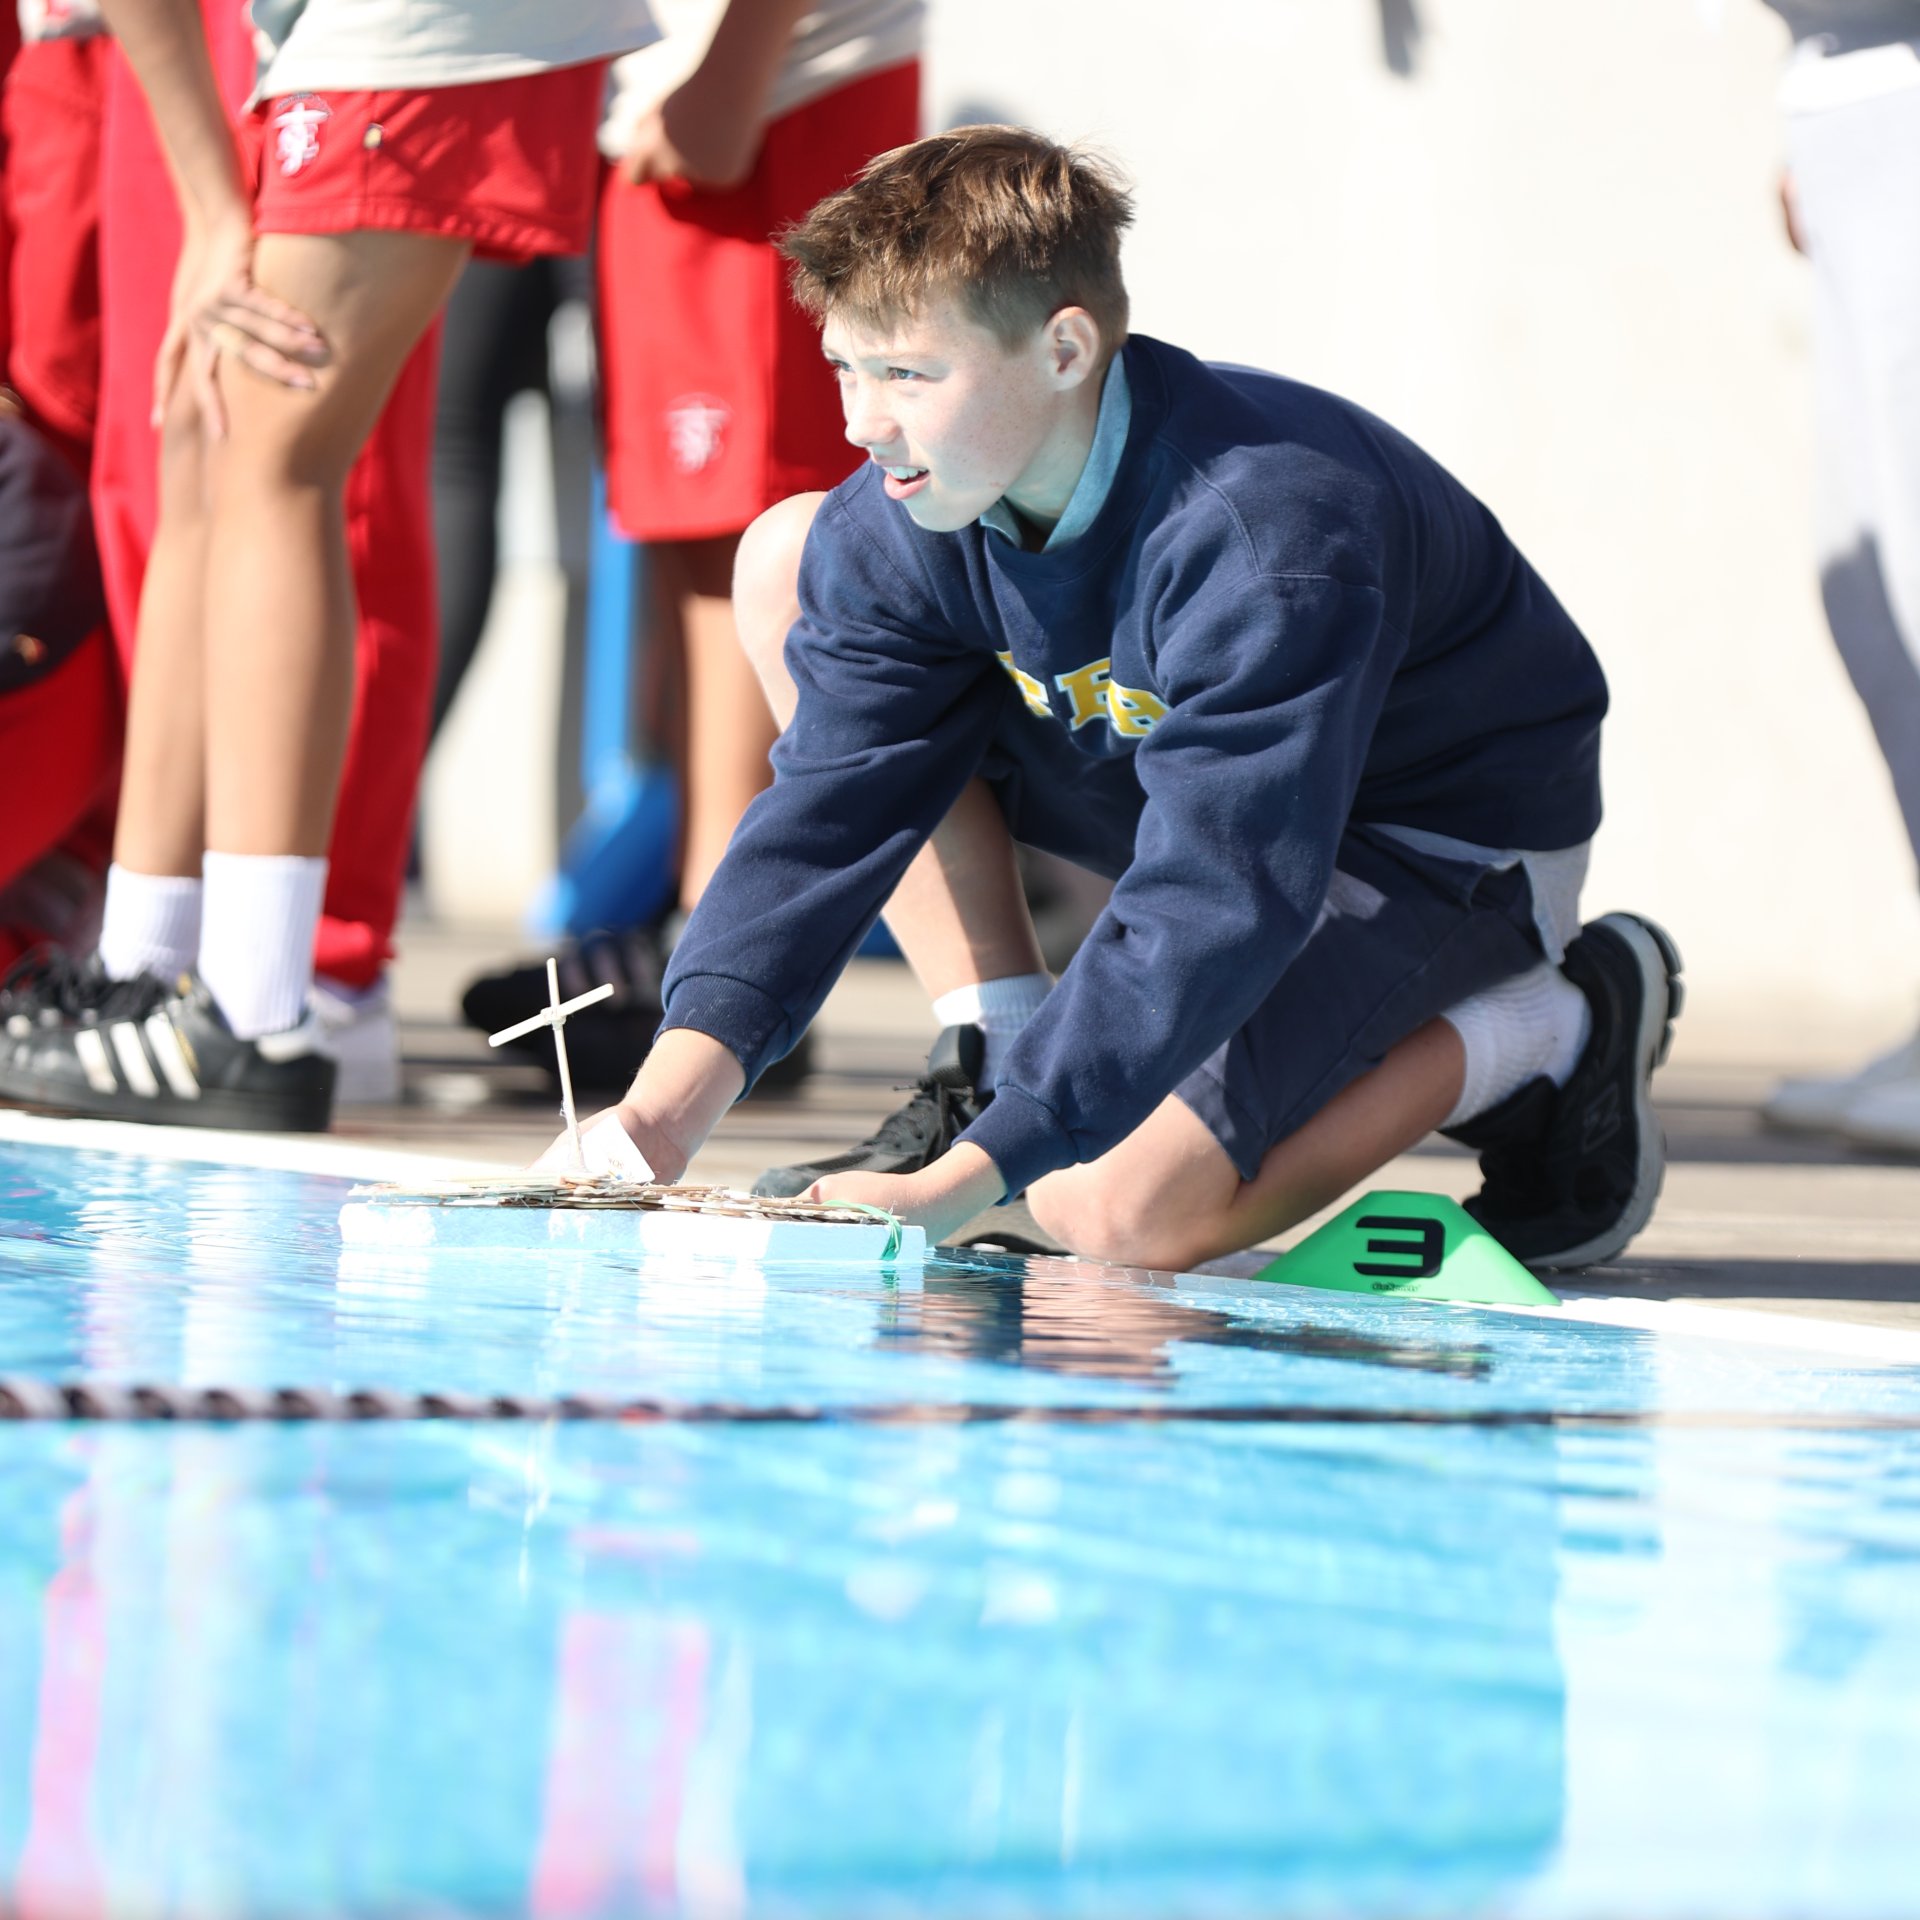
{"x": 310, "y": 46}
{"x": 839, "y": 41}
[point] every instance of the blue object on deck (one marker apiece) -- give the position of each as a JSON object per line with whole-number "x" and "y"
{"x": 616, "y": 868}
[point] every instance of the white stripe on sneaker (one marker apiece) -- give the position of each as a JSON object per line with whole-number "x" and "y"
{"x": 133, "y": 1059}
{"x": 91, "y": 1051}
{"x": 172, "y": 1057}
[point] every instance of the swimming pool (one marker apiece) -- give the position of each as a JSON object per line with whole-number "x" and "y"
{"x": 925, "y": 1603}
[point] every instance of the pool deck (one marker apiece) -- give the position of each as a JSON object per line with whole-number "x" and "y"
{"x": 1749, "y": 1218}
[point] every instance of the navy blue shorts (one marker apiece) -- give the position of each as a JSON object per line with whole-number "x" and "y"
{"x": 1404, "y": 936}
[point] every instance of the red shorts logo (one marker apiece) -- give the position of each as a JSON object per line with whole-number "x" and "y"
{"x": 296, "y": 131}
{"x": 696, "y": 431}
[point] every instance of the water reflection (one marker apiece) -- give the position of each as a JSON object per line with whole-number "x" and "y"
{"x": 593, "y": 1670}
{"x": 1057, "y": 1317}
{"x": 587, "y": 1671}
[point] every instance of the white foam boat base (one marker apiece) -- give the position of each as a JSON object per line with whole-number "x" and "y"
{"x": 640, "y": 1233}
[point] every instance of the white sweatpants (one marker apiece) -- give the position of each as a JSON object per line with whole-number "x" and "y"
{"x": 1853, "y": 137}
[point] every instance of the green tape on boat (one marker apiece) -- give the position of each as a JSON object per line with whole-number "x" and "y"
{"x": 1420, "y": 1245}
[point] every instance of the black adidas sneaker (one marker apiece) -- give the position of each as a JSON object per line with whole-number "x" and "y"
{"x": 50, "y": 986}
{"x": 140, "y": 1051}
{"x": 39, "y": 978}
{"x": 1572, "y": 1173}
{"x": 947, "y": 1099}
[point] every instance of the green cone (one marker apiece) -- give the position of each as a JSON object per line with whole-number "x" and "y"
{"x": 1421, "y": 1245}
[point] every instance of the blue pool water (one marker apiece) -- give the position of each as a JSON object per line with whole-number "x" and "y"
{"x": 1314, "y": 1663}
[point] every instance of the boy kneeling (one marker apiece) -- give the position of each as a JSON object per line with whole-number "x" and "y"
{"x": 1223, "y": 637}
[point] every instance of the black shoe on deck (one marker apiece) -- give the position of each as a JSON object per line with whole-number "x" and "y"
{"x": 607, "y": 1041}
{"x": 605, "y": 1049}
{"x": 1572, "y": 1173}
{"x": 143, "y": 1052}
{"x": 946, "y": 1100}
{"x": 632, "y": 962}
{"x": 49, "y": 985}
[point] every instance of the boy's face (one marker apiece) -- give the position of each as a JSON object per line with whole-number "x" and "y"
{"x": 956, "y": 418}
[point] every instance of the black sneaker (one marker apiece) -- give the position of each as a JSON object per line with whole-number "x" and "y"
{"x": 50, "y": 985}
{"x": 607, "y": 1041}
{"x": 605, "y": 1049}
{"x": 633, "y": 963}
{"x": 946, "y": 1100}
{"x": 1572, "y": 1173}
{"x": 141, "y": 1052}
{"x": 37, "y": 980}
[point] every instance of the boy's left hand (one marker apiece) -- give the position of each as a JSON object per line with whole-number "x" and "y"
{"x": 941, "y": 1198}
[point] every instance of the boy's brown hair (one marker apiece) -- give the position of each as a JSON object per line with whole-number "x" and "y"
{"x": 1014, "y": 225}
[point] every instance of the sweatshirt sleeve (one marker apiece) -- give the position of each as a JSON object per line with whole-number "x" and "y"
{"x": 894, "y": 714}
{"x": 1273, "y": 688}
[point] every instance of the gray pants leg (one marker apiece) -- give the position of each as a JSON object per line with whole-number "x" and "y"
{"x": 1856, "y": 171}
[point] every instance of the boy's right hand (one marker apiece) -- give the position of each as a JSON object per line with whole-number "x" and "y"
{"x": 685, "y": 1084}
{"x": 665, "y": 1159}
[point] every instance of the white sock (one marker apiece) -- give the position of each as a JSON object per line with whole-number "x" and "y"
{"x": 151, "y": 924}
{"x": 1536, "y": 1023}
{"x": 256, "y": 937}
{"x": 999, "y": 1008}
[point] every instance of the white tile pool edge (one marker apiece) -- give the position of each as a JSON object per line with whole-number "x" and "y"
{"x": 350, "y": 1159}
{"x": 346, "y": 1159}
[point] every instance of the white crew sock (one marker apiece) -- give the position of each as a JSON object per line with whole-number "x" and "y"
{"x": 1536, "y": 1023}
{"x": 999, "y": 1008}
{"x": 256, "y": 937}
{"x": 151, "y": 924}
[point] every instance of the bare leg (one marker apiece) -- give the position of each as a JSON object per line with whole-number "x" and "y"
{"x": 1167, "y": 1196}
{"x": 729, "y": 731}
{"x": 958, "y": 912}
{"x": 161, "y": 825}
{"x": 279, "y": 590}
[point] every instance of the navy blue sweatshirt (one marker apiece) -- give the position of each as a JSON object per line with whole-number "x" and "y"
{"x": 1284, "y": 616}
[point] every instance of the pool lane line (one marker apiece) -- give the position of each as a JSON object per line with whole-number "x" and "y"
{"x": 84, "y": 1402}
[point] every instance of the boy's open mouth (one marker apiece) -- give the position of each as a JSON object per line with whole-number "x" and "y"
{"x": 902, "y": 483}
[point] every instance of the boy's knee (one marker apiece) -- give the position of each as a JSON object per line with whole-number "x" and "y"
{"x": 766, "y": 577}
{"x": 1102, "y": 1213}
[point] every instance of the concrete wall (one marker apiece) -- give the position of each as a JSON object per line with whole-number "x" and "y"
{"x": 1548, "y": 247}
{"x": 1551, "y": 251}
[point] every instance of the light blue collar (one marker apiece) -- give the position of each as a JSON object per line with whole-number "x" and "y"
{"x": 1096, "y": 477}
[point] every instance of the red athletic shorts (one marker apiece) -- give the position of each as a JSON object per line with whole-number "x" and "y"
{"x": 507, "y": 164}
{"x": 52, "y": 120}
{"x": 718, "y": 403}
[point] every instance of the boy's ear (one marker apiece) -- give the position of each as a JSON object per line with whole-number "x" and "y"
{"x": 1073, "y": 346}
